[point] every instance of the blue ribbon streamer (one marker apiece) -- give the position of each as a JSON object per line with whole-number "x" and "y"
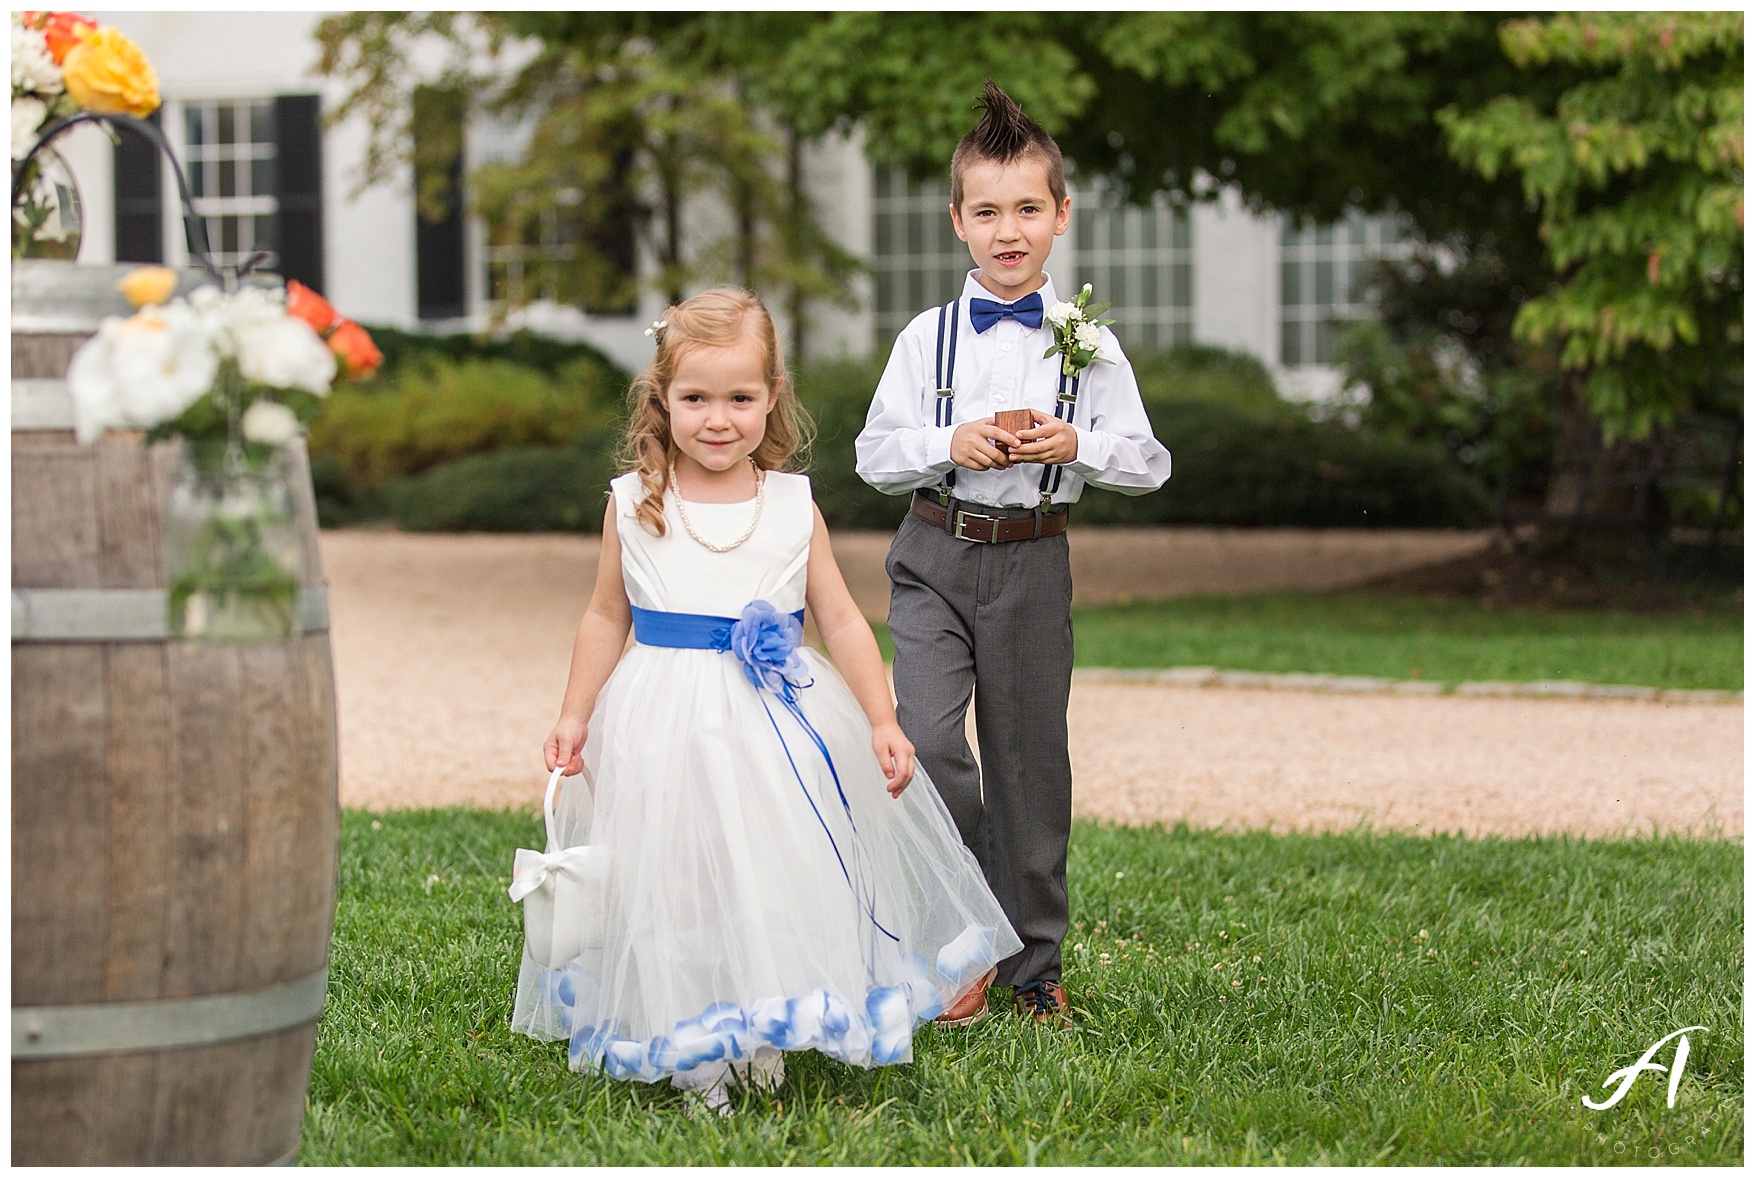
{"x": 766, "y": 642}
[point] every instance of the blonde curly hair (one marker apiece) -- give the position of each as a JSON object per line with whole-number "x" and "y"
{"x": 724, "y": 316}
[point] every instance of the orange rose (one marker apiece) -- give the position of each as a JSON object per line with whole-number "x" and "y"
{"x": 350, "y": 342}
{"x": 107, "y": 73}
{"x": 61, "y": 30}
{"x": 304, "y": 303}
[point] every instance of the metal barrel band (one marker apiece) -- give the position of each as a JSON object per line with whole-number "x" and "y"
{"x": 122, "y": 615}
{"x": 40, "y": 404}
{"x": 103, "y": 1028}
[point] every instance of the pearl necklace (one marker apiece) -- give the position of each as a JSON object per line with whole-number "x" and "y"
{"x": 683, "y": 512}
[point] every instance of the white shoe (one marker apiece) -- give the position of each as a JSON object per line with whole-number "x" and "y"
{"x": 715, "y": 1100}
{"x": 764, "y": 1071}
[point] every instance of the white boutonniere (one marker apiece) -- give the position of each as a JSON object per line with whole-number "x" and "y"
{"x": 1076, "y": 332}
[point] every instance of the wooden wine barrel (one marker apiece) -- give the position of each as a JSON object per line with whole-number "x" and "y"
{"x": 174, "y": 804}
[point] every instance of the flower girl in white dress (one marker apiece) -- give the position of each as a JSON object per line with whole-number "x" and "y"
{"x": 774, "y": 882}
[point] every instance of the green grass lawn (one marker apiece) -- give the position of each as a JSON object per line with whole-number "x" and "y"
{"x": 1240, "y": 998}
{"x": 1445, "y": 639}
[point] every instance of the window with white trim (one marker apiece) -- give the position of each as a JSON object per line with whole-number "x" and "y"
{"x": 229, "y": 153}
{"x": 1140, "y": 258}
{"x": 1321, "y": 272}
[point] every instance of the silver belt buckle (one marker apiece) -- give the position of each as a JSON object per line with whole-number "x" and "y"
{"x": 965, "y": 516}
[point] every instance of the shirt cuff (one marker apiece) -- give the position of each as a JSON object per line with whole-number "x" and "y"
{"x": 938, "y": 448}
{"x": 1089, "y": 461}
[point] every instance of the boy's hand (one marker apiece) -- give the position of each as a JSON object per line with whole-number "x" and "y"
{"x": 564, "y": 743}
{"x": 1050, "y": 441}
{"x": 972, "y": 445}
{"x": 895, "y": 757}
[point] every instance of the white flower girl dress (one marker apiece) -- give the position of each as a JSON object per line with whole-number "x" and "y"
{"x": 764, "y": 890}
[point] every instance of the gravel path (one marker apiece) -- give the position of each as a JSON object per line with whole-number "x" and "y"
{"x": 451, "y": 656}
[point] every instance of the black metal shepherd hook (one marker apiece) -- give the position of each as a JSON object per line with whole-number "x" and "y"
{"x": 193, "y": 225}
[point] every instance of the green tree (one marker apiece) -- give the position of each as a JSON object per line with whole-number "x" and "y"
{"x": 628, "y": 122}
{"x": 1637, "y": 169}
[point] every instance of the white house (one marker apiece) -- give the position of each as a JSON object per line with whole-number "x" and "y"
{"x": 242, "y": 106}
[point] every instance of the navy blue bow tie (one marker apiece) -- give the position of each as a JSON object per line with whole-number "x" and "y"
{"x": 984, "y": 313}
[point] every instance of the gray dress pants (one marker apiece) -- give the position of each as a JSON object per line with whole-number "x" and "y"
{"x": 995, "y": 620}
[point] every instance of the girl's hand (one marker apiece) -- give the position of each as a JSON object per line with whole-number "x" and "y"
{"x": 1050, "y": 441}
{"x": 895, "y": 757}
{"x": 564, "y": 744}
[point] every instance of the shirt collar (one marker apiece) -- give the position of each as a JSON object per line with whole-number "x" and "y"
{"x": 972, "y": 289}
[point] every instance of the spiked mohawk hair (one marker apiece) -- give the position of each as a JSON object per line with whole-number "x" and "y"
{"x": 1005, "y": 135}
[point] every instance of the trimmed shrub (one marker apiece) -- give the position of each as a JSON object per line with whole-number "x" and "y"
{"x": 435, "y": 412}
{"x": 523, "y": 489}
{"x": 1198, "y": 372}
{"x": 406, "y": 349}
{"x": 838, "y": 396}
{"x": 1241, "y": 456}
{"x": 1230, "y": 469}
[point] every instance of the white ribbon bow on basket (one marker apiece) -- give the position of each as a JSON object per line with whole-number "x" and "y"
{"x": 563, "y": 891}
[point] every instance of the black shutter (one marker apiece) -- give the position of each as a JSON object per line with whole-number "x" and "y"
{"x": 299, "y": 147}
{"x": 139, "y": 189}
{"x": 438, "y": 244}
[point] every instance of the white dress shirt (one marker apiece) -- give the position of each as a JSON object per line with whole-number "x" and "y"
{"x": 901, "y": 449}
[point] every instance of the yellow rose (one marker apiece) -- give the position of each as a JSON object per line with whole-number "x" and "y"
{"x": 108, "y": 74}
{"x": 148, "y": 286}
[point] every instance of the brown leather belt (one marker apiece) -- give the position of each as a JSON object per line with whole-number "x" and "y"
{"x": 989, "y": 529}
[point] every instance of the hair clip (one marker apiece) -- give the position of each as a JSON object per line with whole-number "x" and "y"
{"x": 658, "y": 325}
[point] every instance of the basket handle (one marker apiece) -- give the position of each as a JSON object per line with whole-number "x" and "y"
{"x": 548, "y": 807}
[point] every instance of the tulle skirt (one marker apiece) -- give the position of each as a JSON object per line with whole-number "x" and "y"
{"x": 764, "y": 891}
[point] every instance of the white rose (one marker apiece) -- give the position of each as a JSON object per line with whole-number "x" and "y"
{"x": 141, "y": 371}
{"x": 1086, "y": 336}
{"x": 231, "y": 316}
{"x": 1059, "y": 313}
{"x": 270, "y": 423}
{"x": 285, "y": 353}
{"x": 33, "y": 69}
{"x": 27, "y": 116}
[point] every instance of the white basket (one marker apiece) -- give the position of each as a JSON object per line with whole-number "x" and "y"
{"x": 563, "y": 892}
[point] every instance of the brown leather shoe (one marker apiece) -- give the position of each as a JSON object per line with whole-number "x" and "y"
{"x": 971, "y": 1007}
{"x": 1043, "y": 1003}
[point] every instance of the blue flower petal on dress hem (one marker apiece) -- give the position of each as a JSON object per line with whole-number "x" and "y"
{"x": 881, "y": 1033}
{"x": 892, "y": 1023}
{"x": 972, "y": 949}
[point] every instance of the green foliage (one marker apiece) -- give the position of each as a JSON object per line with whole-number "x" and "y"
{"x": 523, "y": 489}
{"x": 1230, "y": 469}
{"x": 837, "y": 396}
{"x": 631, "y": 121}
{"x": 1425, "y": 388}
{"x": 1203, "y": 373}
{"x": 432, "y": 413}
{"x": 1637, "y": 167}
{"x": 907, "y": 79}
{"x": 544, "y": 353}
{"x": 1241, "y": 457}
{"x": 1416, "y": 1001}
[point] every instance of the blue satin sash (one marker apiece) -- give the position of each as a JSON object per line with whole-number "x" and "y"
{"x": 658, "y": 627}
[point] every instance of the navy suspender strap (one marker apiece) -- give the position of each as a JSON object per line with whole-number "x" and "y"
{"x": 944, "y": 374}
{"x": 1064, "y": 402}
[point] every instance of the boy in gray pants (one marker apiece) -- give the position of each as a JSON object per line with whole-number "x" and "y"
{"x": 980, "y": 584}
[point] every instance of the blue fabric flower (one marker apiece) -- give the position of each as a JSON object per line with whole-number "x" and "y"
{"x": 766, "y": 642}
